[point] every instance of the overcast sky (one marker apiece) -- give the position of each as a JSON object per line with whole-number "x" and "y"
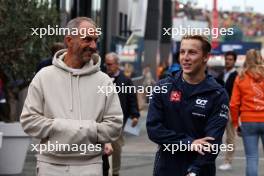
{"x": 258, "y": 5}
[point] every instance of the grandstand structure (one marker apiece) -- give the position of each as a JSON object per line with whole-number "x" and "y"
{"x": 248, "y": 30}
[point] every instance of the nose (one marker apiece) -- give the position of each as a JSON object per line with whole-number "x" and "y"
{"x": 184, "y": 56}
{"x": 93, "y": 44}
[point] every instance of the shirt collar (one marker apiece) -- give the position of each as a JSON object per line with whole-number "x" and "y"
{"x": 116, "y": 74}
{"x": 230, "y": 71}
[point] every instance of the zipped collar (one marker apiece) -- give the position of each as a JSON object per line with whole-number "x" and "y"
{"x": 207, "y": 85}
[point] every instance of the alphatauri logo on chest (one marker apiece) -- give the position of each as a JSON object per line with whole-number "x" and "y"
{"x": 201, "y": 102}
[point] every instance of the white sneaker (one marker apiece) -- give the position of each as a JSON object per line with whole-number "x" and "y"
{"x": 225, "y": 167}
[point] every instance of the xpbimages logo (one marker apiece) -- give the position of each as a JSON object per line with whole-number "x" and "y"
{"x": 182, "y": 31}
{"x": 83, "y": 32}
{"x": 181, "y": 147}
{"x": 124, "y": 89}
{"x": 62, "y": 148}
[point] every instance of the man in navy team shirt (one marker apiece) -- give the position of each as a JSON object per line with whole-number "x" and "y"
{"x": 192, "y": 113}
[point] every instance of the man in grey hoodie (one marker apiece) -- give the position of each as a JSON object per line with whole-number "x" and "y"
{"x": 65, "y": 111}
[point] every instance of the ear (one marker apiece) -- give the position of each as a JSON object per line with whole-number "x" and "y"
{"x": 206, "y": 58}
{"x": 68, "y": 40}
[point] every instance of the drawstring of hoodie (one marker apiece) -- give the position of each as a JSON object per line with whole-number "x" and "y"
{"x": 79, "y": 101}
{"x": 71, "y": 92}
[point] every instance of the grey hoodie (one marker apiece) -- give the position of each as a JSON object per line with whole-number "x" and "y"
{"x": 63, "y": 106}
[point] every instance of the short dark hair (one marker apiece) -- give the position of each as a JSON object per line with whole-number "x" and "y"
{"x": 206, "y": 45}
{"x": 75, "y": 22}
{"x": 232, "y": 53}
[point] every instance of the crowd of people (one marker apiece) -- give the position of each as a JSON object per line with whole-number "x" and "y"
{"x": 250, "y": 23}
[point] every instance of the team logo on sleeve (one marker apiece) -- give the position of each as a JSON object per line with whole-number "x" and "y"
{"x": 175, "y": 96}
{"x": 224, "y": 111}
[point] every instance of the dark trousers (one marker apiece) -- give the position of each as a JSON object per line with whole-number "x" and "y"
{"x": 105, "y": 165}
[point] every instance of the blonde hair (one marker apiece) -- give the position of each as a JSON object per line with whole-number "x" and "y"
{"x": 206, "y": 45}
{"x": 253, "y": 65}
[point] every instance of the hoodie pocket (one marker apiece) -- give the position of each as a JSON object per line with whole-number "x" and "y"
{"x": 73, "y": 137}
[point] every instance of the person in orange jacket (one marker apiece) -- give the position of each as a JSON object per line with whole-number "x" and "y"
{"x": 247, "y": 106}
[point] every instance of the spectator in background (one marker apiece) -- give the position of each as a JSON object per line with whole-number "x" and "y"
{"x": 128, "y": 70}
{"x": 162, "y": 70}
{"x": 247, "y": 106}
{"x": 128, "y": 102}
{"x": 227, "y": 78}
{"x": 148, "y": 81}
{"x": 46, "y": 62}
{"x": 175, "y": 67}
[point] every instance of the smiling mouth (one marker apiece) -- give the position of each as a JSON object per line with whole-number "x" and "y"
{"x": 186, "y": 65}
{"x": 87, "y": 53}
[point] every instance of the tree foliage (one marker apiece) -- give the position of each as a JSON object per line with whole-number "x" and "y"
{"x": 20, "y": 51}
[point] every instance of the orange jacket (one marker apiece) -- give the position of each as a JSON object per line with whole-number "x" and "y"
{"x": 247, "y": 101}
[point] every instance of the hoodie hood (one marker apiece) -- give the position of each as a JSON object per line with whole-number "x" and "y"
{"x": 89, "y": 68}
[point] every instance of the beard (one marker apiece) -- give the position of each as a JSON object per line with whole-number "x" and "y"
{"x": 95, "y": 58}
{"x": 87, "y": 54}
